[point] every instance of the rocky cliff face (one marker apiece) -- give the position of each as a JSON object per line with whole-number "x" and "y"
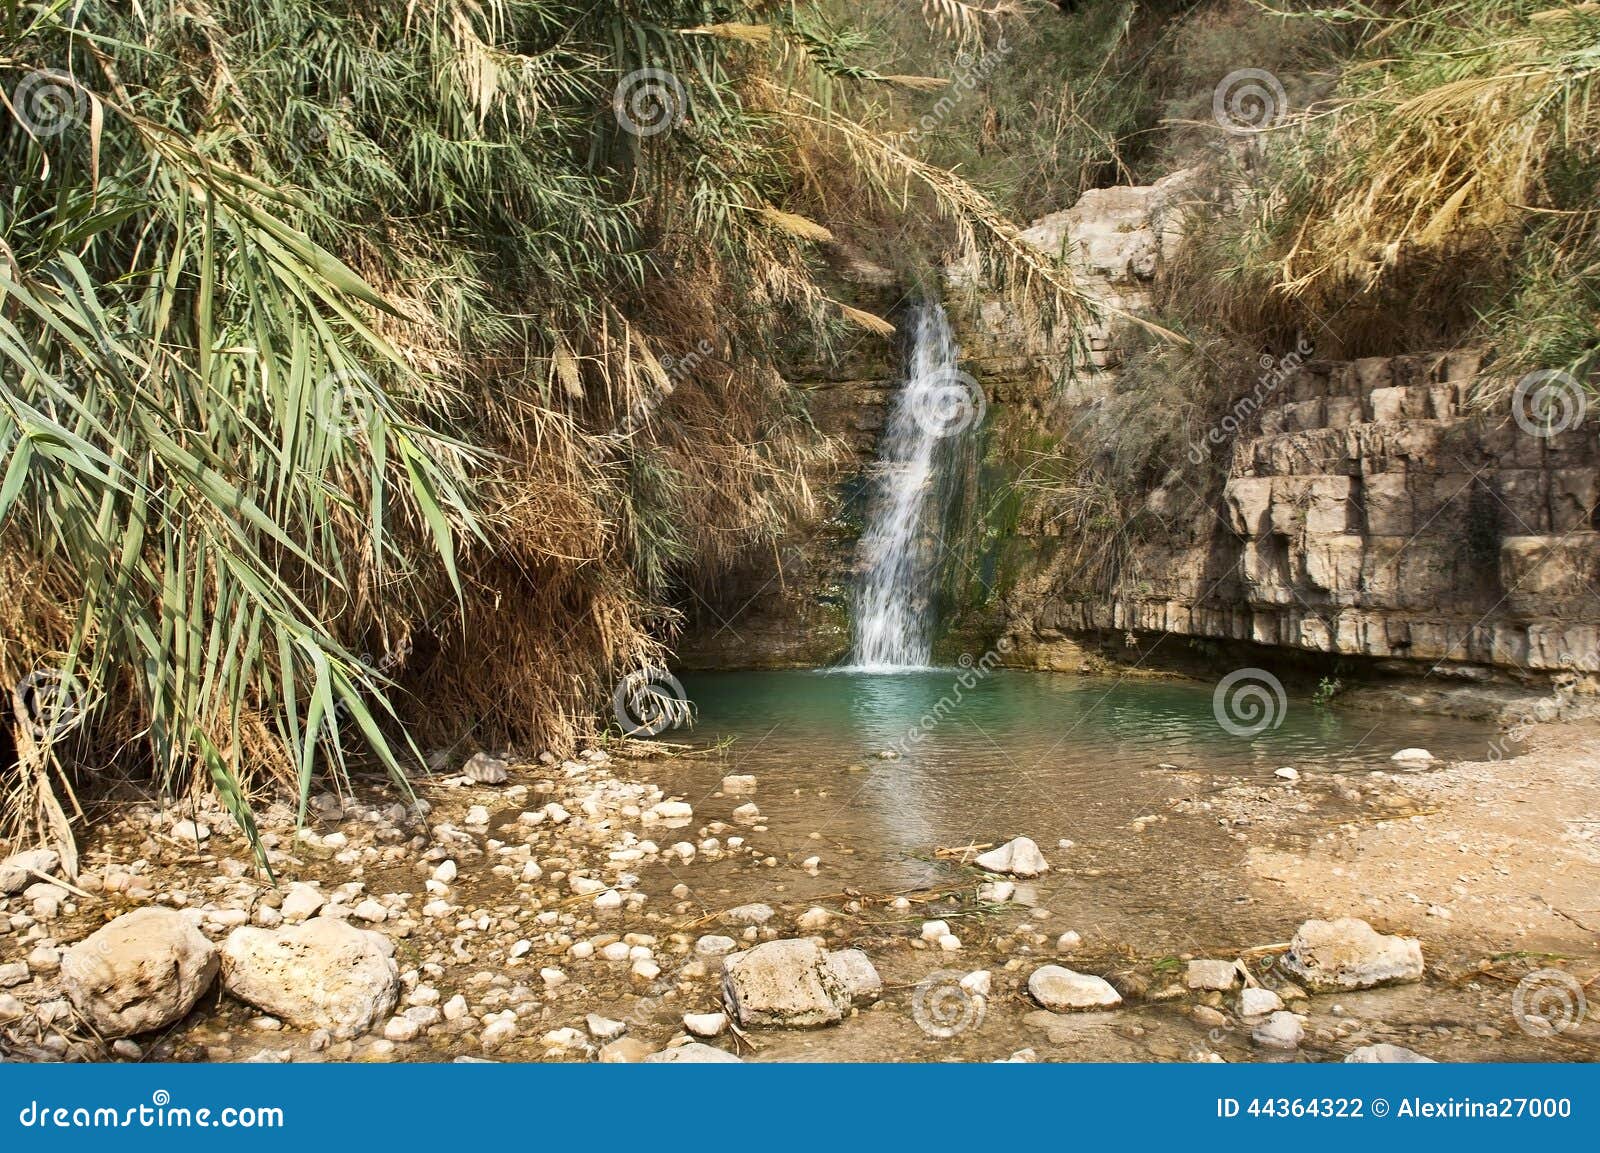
{"x": 1363, "y": 509}
{"x": 1354, "y": 509}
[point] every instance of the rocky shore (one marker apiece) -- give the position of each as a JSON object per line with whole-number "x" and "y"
{"x": 571, "y": 910}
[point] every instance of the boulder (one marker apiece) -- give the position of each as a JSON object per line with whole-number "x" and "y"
{"x": 1061, "y": 990}
{"x": 22, "y": 869}
{"x": 854, "y": 971}
{"x": 694, "y": 1053}
{"x": 486, "y": 769}
{"x": 322, "y": 974}
{"x": 143, "y": 971}
{"x": 1020, "y": 858}
{"x": 1386, "y": 1054}
{"x": 1350, "y": 954}
{"x": 785, "y": 983}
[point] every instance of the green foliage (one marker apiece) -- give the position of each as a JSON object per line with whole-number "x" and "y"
{"x": 335, "y": 328}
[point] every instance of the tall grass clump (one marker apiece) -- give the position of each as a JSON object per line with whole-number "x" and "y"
{"x": 367, "y": 384}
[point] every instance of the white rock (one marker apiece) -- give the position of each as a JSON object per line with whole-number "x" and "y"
{"x": 756, "y": 914}
{"x": 500, "y": 1029}
{"x": 855, "y": 972}
{"x": 187, "y": 830}
{"x": 1282, "y": 1030}
{"x": 1068, "y": 941}
{"x": 645, "y": 970}
{"x": 814, "y": 918}
{"x": 142, "y": 971}
{"x": 445, "y": 873}
{"x": 486, "y": 769}
{"x": 747, "y": 814}
{"x": 1350, "y": 954}
{"x": 520, "y": 949}
{"x": 301, "y": 904}
{"x": 705, "y": 1024}
{"x": 933, "y": 930}
{"x": 1060, "y": 990}
{"x": 552, "y": 978}
{"x": 1019, "y": 857}
{"x": 22, "y": 869}
{"x": 950, "y": 943}
{"x": 1288, "y": 773}
{"x": 996, "y": 892}
{"x": 586, "y": 886}
{"x": 739, "y": 783}
{"x": 476, "y": 815}
{"x": 714, "y": 945}
{"x": 610, "y": 899}
{"x": 371, "y": 911}
{"x": 564, "y": 1039}
{"x": 1258, "y": 1002}
{"x": 669, "y": 811}
{"x": 604, "y": 1028}
{"x": 455, "y": 1008}
{"x": 1386, "y": 1054}
{"x": 692, "y": 1053}
{"x": 978, "y": 983}
{"x": 401, "y": 1029}
{"x": 784, "y": 983}
{"x": 1206, "y": 974}
{"x": 325, "y": 973}
{"x": 1408, "y": 758}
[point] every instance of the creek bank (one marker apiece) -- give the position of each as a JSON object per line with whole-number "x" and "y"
{"x": 482, "y": 935}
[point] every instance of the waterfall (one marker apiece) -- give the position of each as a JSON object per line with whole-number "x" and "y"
{"x": 896, "y": 591}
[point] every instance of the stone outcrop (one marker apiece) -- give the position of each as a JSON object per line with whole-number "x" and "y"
{"x": 1367, "y": 508}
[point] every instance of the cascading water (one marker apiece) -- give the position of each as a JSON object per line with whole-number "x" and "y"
{"x": 895, "y": 593}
